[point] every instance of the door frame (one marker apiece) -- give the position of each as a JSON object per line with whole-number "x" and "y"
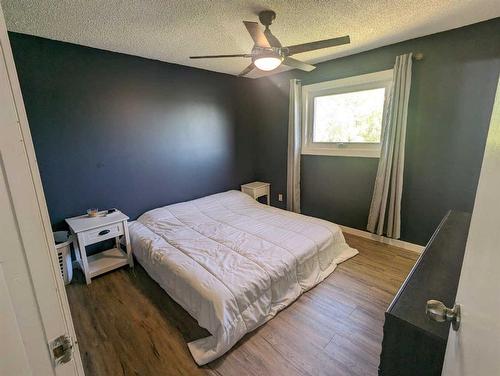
{"x": 35, "y": 232}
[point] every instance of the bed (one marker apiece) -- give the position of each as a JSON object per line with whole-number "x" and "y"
{"x": 233, "y": 263}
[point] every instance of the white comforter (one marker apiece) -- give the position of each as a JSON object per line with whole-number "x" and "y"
{"x": 233, "y": 263}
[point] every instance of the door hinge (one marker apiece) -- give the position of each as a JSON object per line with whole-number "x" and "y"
{"x": 61, "y": 349}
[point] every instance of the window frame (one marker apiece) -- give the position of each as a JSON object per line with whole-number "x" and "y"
{"x": 376, "y": 80}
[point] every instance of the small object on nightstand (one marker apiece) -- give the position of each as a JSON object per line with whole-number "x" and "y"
{"x": 257, "y": 189}
{"x": 89, "y": 230}
{"x": 92, "y": 212}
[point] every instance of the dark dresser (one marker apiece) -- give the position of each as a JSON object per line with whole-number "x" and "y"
{"x": 413, "y": 345}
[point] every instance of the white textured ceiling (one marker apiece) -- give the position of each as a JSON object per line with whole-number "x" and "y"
{"x": 172, "y": 30}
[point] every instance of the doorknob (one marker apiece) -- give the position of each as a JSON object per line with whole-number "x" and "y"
{"x": 437, "y": 311}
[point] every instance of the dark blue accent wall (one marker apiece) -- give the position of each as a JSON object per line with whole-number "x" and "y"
{"x": 448, "y": 118}
{"x": 113, "y": 130}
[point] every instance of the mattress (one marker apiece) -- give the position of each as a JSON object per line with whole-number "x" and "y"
{"x": 233, "y": 263}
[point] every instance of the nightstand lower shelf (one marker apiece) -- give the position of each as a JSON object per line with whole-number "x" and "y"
{"x": 106, "y": 260}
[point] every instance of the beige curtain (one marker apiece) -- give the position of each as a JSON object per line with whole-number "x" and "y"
{"x": 385, "y": 208}
{"x": 294, "y": 145}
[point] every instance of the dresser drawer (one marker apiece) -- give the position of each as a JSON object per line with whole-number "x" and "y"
{"x": 104, "y": 232}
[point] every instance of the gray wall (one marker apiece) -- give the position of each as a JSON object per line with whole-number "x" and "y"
{"x": 113, "y": 130}
{"x": 450, "y": 105}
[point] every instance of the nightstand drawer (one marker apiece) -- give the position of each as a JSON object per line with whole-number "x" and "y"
{"x": 257, "y": 189}
{"x": 104, "y": 232}
{"x": 261, "y": 191}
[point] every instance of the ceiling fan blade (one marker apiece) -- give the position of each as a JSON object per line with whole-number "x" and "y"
{"x": 218, "y": 56}
{"x": 257, "y": 34}
{"x": 247, "y": 70}
{"x": 273, "y": 41}
{"x": 294, "y": 63}
{"x": 311, "y": 46}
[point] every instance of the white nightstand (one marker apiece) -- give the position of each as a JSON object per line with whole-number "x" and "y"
{"x": 257, "y": 189}
{"x": 90, "y": 230}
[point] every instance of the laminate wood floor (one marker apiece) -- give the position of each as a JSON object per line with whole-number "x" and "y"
{"x": 127, "y": 325}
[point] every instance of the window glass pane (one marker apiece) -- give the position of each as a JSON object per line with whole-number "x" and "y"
{"x": 349, "y": 117}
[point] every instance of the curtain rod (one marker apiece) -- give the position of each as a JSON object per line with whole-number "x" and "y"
{"x": 417, "y": 56}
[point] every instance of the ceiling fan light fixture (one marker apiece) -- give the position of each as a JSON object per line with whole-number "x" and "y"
{"x": 268, "y": 63}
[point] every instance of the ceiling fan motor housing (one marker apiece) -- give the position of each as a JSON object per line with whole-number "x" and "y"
{"x": 268, "y": 52}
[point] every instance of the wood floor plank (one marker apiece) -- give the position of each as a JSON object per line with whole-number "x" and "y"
{"x": 259, "y": 358}
{"x": 127, "y": 325}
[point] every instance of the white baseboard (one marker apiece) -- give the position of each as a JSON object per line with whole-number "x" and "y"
{"x": 395, "y": 242}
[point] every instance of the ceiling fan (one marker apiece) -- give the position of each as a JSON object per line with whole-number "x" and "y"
{"x": 268, "y": 53}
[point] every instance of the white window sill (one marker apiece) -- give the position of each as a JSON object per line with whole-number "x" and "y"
{"x": 342, "y": 152}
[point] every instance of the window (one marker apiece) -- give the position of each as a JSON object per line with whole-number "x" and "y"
{"x": 344, "y": 117}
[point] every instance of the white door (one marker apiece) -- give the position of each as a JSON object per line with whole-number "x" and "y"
{"x": 474, "y": 349}
{"x": 34, "y": 309}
